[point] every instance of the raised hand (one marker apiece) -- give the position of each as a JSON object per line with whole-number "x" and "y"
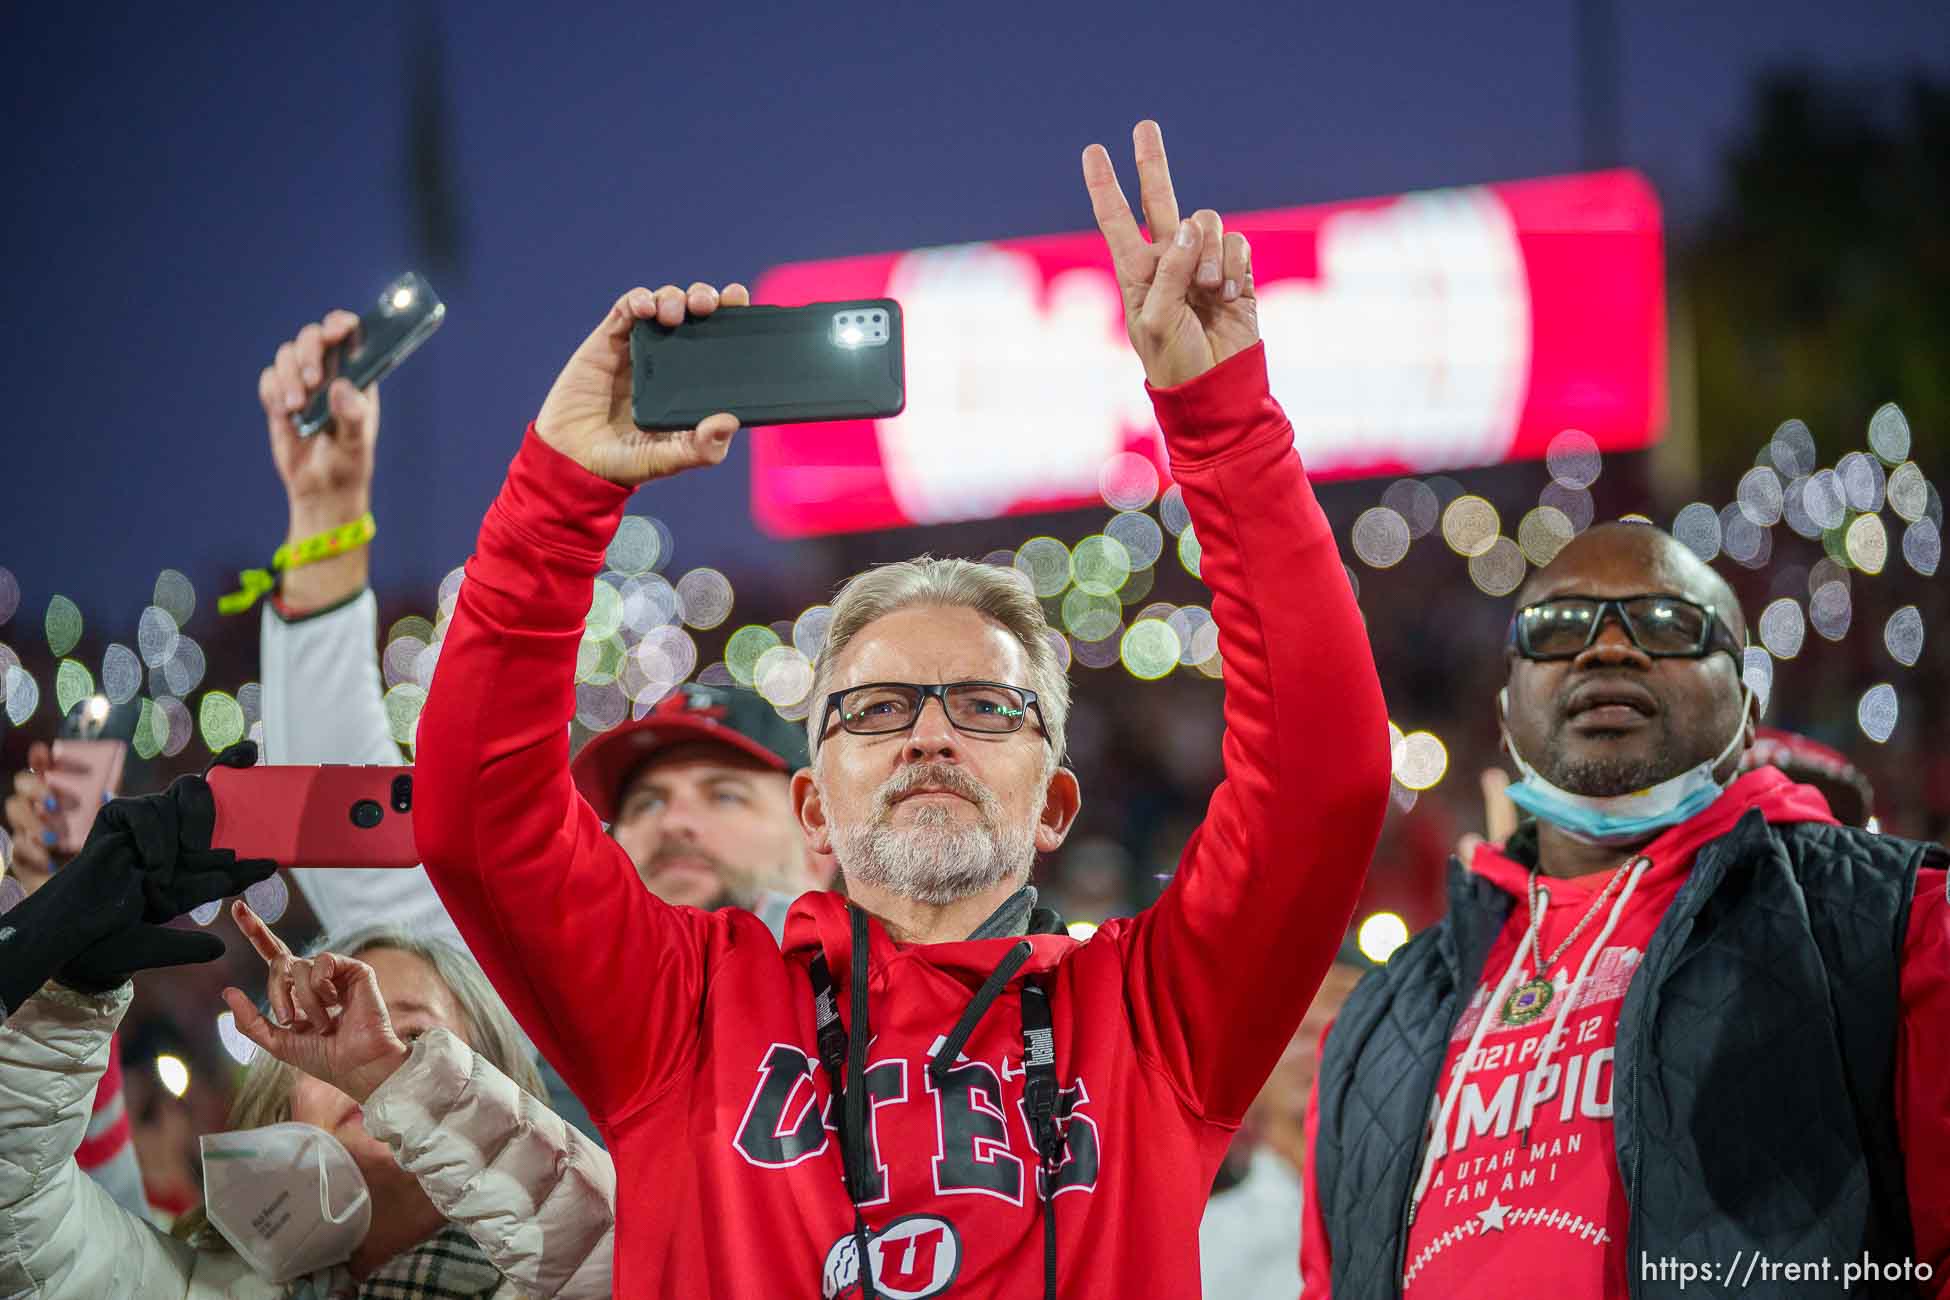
{"x": 30, "y": 810}
{"x": 328, "y": 476}
{"x": 1188, "y": 291}
{"x": 330, "y": 1020}
{"x": 586, "y": 415}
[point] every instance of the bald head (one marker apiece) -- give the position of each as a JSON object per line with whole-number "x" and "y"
{"x": 1621, "y": 559}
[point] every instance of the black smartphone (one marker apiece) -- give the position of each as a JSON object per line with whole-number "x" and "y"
{"x": 771, "y": 365}
{"x": 407, "y": 313}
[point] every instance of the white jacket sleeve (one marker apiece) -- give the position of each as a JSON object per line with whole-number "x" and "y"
{"x": 537, "y": 1196}
{"x": 325, "y": 702}
{"x": 60, "y": 1233}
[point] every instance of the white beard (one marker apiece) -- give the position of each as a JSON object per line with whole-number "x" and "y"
{"x": 935, "y": 860}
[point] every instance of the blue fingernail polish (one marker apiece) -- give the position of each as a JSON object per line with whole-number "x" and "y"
{"x": 48, "y": 838}
{"x": 51, "y": 804}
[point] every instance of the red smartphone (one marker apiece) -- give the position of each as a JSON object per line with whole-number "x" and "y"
{"x": 85, "y": 774}
{"x": 330, "y": 816}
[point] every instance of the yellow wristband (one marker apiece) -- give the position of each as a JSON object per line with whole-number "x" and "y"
{"x": 296, "y": 555}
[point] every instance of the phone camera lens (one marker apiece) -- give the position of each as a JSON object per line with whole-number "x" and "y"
{"x": 403, "y": 794}
{"x": 367, "y": 814}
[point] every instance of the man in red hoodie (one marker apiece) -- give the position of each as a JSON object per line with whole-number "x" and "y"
{"x": 930, "y": 1079}
{"x": 1682, "y": 1034}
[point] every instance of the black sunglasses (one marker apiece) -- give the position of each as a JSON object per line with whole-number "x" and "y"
{"x": 981, "y": 708}
{"x": 1663, "y": 626}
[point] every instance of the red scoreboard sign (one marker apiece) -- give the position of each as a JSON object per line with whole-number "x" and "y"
{"x": 1425, "y": 332}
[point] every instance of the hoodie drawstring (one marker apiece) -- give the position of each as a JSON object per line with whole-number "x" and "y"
{"x": 843, "y": 1053}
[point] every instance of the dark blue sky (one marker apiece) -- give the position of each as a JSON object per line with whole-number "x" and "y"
{"x": 188, "y": 185}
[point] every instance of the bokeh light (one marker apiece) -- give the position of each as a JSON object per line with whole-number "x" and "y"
{"x": 1889, "y": 433}
{"x": 1574, "y": 503}
{"x": 1099, "y": 565}
{"x": 1742, "y": 540}
{"x": 1499, "y": 570}
{"x": 1172, "y": 512}
{"x": 1867, "y": 543}
{"x": 1470, "y": 525}
{"x": 148, "y": 741}
{"x": 1380, "y": 935}
{"x": 172, "y": 725}
{"x": 401, "y": 656}
{"x": 1876, "y": 712}
{"x": 1908, "y": 492}
{"x": 1417, "y": 504}
{"x": 1902, "y": 636}
{"x": 175, "y": 595}
{"x": 73, "y": 683}
{"x": 1197, "y": 633}
{"x": 1060, "y": 646}
{"x": 121, "y": 673}
{"x": 1090, "y": 617}
{"x": 600, "y": 706}
{"x": 1759, "y": 496}
{"x": 1424, "y": 760}
{"x": 705, "y": 597}
{"x": 1137, "y": 586}
{"x": 63, "y": 625}
{"x": 1922, "y": 546}
{"x": 1098, "y": 654}
{"x": 1794, "y": 509}
{"x": 403, "y": 705}
{"x": 1697, "y": 526}
{"x": 184, "y": 671}
{"x": 1829, "y": 609}
{"x": 648, "y": 601}
{"x": 1792, "y": 449}
{"x": 1824, "y": 500}
{"x": 269, "y": 898}
{"x": 221, "y": 720}
{"x": 250, "y": 698}
{"x": 1573, "y": 459}
{"x": 1140, "y": 536}
{"x": 1381, "y": 537}
{"x": 1128, "y": 481}
{"x": 809, "y": 630}
{"x": 23, "y": 694}
{"x": 241, "y": 1049}
{"x": 1542, "y": 533}
{"x": 1046, "y": 563}
{"x": 1149, "y": 649}
{"x": 636, "y": 547}
{"x": 1757, "y": 673}
{"x": 9, "y": 593}
{"x": 175, "y": 1075}
{"x": 1190, "y": 553}
{"x": 1783, "y": 628}
{"x": 783, "y": 676}
{"x": 156, "y": 635}
{"x": 1862, "y": 480}
{"x": 742, "y": 650}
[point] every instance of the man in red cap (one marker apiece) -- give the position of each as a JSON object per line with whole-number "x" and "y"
{"x": 699, "y": 793}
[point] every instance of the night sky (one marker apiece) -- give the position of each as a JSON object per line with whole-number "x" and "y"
{"x": 188, "y": 185}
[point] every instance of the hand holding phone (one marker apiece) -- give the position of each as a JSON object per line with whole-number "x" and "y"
{"x": 84, "y": 775}
{"x": 586, "y": 418}
{"x": 406, "y": 315}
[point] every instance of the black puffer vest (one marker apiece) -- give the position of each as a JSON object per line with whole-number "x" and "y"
{"x": 1755, "y": 1068}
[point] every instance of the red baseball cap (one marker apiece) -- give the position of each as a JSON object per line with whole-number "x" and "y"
{"x": 727, "y": 715}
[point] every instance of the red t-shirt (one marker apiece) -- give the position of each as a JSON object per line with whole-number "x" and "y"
{"x": 1525, "y": 1197}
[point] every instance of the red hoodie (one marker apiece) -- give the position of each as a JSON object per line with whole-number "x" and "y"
{"x": 1525, "y": 1197}
{"x": 690, "y": 1035}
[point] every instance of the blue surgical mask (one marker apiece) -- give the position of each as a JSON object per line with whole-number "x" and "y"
{"x": 1622, "y": 819}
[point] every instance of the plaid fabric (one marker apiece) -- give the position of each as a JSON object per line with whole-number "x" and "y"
{"x": 447, "y": 1266}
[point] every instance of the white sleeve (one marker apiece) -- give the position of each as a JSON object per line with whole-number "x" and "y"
{"x": 537, "y": 1196}
{"x": 60, "y": 1233}
{"x": 325, "y": 702}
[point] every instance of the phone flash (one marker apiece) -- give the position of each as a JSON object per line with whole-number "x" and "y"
{"x": 860, "y": 329}
{"x": 402, "y": 298}
{"x": 98, "y": 709}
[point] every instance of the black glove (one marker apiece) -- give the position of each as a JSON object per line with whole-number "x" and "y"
{"x": 101, "y": 917}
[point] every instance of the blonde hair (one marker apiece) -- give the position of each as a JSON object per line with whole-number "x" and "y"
{"x": 264, "y": 1096}
{"x": 997, "y": 594}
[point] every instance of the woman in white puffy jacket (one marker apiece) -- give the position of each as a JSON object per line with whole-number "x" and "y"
{"x": 476, "y": 1189}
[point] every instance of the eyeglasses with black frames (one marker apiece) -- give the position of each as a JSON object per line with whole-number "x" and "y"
{"x": 1663, "y": 626}
{"x": 979, "y": 708}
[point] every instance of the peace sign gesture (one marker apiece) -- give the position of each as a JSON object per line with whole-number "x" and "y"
{"x": 1188, "y": 292}
{"x": 331, "y": 1021}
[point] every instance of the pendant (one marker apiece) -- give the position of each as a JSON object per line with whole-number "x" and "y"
{"x": 1527, "y": 1001}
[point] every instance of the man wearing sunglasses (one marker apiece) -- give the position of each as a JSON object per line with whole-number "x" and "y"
{"x": 929, "y": 1089}
{"x": 1682, "y": 1020}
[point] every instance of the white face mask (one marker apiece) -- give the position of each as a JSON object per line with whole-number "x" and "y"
{"x": 287, "y": 1197}
{"x": 1622, "y": 819}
